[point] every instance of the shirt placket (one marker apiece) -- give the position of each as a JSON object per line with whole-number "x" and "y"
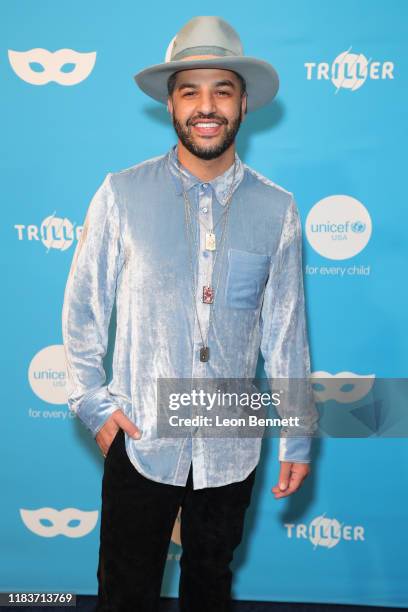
{"x": 204, "y": 267}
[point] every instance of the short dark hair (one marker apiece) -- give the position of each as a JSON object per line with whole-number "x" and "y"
{"x": 171, "y": 82}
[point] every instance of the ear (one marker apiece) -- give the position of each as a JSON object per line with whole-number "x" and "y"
{"x": 169, "y": 105}
{"x": 244, "y": 105}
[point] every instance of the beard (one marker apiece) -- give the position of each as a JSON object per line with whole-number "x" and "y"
{"x": 209, "y": 152}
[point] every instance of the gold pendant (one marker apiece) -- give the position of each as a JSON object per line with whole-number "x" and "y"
{"x": 210, "y": 241}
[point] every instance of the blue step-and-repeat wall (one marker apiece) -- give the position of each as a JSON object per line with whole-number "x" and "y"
{"x": 336, "y": 136}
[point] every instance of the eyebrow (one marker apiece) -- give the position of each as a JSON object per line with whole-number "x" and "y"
{"x": 224, "y": 82}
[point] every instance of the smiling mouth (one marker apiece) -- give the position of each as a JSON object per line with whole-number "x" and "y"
{"x": 207, "y": 128}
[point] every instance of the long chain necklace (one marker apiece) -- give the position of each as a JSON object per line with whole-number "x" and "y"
{"x": 209, "y": 293}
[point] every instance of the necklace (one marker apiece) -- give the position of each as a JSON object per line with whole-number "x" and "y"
{"x": 210, "y": 238}
{"x": 208, "y": 292}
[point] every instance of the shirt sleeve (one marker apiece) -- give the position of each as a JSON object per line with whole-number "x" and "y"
{"x": 284, "y": 343}
{"x": 88, "y": 301}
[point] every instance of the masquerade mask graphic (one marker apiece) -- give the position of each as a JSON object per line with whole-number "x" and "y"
{"x": 60, "y": 520}
{"x": 52, "y": 63}
{"x": 332, "y": 386}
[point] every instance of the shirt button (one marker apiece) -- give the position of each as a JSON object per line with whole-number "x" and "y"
{"x": 205, "y": 254}
{"x": 204, "y": 185}
{"x": 204, "y": 209}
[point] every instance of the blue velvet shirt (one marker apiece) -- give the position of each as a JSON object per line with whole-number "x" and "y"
{"x": 133, "y": 248}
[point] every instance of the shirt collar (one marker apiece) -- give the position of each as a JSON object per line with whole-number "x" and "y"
{"x": 221, "y": 184}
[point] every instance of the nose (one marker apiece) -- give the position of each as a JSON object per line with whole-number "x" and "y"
{"x": 206, "y": 103}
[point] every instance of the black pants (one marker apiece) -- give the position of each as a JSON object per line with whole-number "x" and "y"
{"x": 137, "y": 519}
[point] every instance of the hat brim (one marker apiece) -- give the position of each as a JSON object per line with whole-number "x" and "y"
{"x": 261, "y": 77}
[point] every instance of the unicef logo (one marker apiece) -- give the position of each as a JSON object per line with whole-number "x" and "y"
{"x": 338, "y": 227}
{"x": 47, "y": 375}
{"x": 358, "y": 227}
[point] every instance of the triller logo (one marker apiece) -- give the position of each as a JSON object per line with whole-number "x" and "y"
{"x": 349, "y": 70}
{"x": 54, "y": 232}
{"x": 324, "y": 532}
{"x": 338, "y": 227}
{"x": 51, "y": 66}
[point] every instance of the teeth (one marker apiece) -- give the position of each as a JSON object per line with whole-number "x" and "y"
{"x": 206, "y": 125}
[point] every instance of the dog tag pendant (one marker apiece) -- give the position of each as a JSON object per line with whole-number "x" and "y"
{"x": 208, "y": 294}
{"x": 210, "y": 241}
{"x": 204, "y": 353}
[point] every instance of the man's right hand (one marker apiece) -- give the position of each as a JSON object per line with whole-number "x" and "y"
{"x": 117, "y": 420}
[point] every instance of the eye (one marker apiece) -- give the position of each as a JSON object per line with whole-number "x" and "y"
{"x": 223, "y": 93}
{"x": 188, "y": 94}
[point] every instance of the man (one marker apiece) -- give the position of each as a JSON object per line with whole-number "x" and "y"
{"x": 203, "y": 256}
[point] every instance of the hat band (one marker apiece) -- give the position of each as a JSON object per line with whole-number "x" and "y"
{"x": 208, "y": 50}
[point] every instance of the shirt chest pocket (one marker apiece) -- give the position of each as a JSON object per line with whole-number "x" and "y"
{"x": 246, "y": 277}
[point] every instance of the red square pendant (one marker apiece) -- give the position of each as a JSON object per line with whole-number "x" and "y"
{"x": 208, "y": 294}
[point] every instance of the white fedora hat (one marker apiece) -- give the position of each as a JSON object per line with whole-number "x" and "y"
{"x": 210, "y": 42}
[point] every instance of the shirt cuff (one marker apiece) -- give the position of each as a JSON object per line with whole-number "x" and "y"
{"x": 95, "y": 411}
{"x": 296, "y": 449}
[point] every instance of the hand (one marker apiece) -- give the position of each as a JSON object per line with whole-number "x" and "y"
{"x": 291, "y": 476}
{"x": 117, "y": 420}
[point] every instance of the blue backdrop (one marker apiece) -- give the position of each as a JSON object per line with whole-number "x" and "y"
{"x": 336, "y": 136}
